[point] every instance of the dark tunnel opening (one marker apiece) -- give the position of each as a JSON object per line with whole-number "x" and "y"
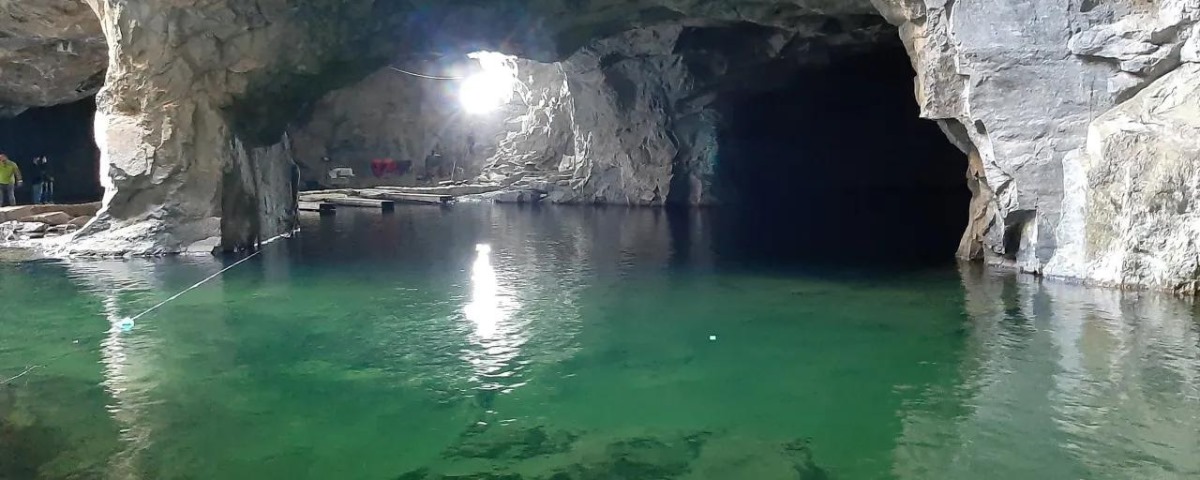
{"x": 64, "y": 134}
{"x": 838, "y": 168}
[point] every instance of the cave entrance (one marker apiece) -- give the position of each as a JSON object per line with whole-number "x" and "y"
{"x": 837, "y": 167}
{"x": 64, "y": 134}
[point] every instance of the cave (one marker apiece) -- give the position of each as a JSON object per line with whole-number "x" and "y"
{"x": 1036, "y": 97}
{"x": 727, "y": 251}
{"x": 837, "y": 167}
{"x": 64, "y": 135}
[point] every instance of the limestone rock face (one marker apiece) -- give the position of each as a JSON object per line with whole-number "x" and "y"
{"x": 640, "y": 109}
{"x": 1018, "y": 84}
{"x": 51, "y": 52}
{"x": 1131, "y": 211}
{"x": 190, "y": 121}
{"x": 394, "y": 115}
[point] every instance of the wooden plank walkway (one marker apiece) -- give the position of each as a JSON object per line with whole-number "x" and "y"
{"x": 319, "y": 207}
{"x": 415, "y": 197}
{"x": 384, "y": 205}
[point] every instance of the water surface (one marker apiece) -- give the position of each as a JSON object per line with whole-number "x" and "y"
{"x": 574, "y": 343}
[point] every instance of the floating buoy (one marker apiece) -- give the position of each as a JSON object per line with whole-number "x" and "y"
{"x": 125, "y": 325}
{"x": 712, "y": 338}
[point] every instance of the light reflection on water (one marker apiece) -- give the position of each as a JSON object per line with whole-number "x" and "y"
{"x": 125, "y": 289}
{"x": 496, "y": 336}
{"x": 391, "y": 339}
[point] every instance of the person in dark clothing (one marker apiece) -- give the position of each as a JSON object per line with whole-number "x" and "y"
{"x": 41, "y": 182}
{"x": 294, "y": 171}
{"x": 433, "y": 166}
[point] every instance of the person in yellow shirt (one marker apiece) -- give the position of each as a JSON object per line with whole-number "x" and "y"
{"x": 10, "y": 179}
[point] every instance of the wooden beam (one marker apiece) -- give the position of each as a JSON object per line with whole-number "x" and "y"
{"x": 322, "y": 208}
{"x": 415, "y": 197}
{"x": 385, "y": 205}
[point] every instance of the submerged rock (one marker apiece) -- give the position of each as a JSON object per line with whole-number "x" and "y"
{"x": 542, "y": 454}
{"x": 508, "y": 443}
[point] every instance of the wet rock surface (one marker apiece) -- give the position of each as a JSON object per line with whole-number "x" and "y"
{"x": 21, "y": 224}
{"x": 1134, "y": 189}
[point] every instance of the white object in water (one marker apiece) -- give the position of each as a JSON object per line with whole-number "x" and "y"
{"x": 125, "y": 325}
{"x": 712, "y": 338}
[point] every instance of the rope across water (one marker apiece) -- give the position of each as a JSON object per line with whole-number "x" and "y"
{"x": 129, "y": 321}
{"x": 193, "y": 287}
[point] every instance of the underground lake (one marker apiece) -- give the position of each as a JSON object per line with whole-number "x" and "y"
{"x": 508, "y": 342}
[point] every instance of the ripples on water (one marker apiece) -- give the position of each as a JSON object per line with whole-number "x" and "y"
{"x": 530, "y": 343}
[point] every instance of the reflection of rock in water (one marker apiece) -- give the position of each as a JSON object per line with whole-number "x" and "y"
{"x": 537, "y": 453}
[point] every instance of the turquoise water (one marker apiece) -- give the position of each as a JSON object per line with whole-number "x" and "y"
{"x": 518, "y": 343}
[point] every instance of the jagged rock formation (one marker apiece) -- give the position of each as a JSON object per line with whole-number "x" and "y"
{"x": 1133, "y": 218}
{"x": 645, "y": 107}
{"x": 190, "y": 120}
{"x": 198, "y": 98}
{"x": 51, "y": 52}
{"x": 1019, "y": 89}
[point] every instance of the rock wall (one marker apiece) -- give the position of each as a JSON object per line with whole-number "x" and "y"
{"x": 51, "y": 52}
{"x": 395, "y": 115}
{"x": 190, "y": 120}
{"x": 642, "y": 111}
{"x": 1132, "y": 218}
{"x": 1020, "y": 85}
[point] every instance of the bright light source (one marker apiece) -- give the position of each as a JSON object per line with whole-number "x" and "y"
{"x": 491, "y": 88}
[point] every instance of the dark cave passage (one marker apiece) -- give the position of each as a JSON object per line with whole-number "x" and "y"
{"x": 66, "y": 136}
{"x": 837, "y": 167}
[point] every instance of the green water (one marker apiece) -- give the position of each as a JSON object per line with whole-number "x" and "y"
{"x": 510, "y": 343}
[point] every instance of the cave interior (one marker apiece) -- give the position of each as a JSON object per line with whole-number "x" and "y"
{"x": 836, "y": 166}
{"x": 820, "y": 161}
{"x": 65, "y": 135}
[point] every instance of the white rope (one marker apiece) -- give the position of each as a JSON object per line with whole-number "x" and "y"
{"x": 429, "y": 77}
{"x": 193, "y": 287}
{"x": 22, "y": 374}
{"x": 151, "y": 309}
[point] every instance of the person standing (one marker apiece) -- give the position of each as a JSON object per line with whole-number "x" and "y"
{"x": 10, "y": 179}
{"x": 433, "y": 165}
{"x": 40, "y": 181}
{"x": 295, "y": 177}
